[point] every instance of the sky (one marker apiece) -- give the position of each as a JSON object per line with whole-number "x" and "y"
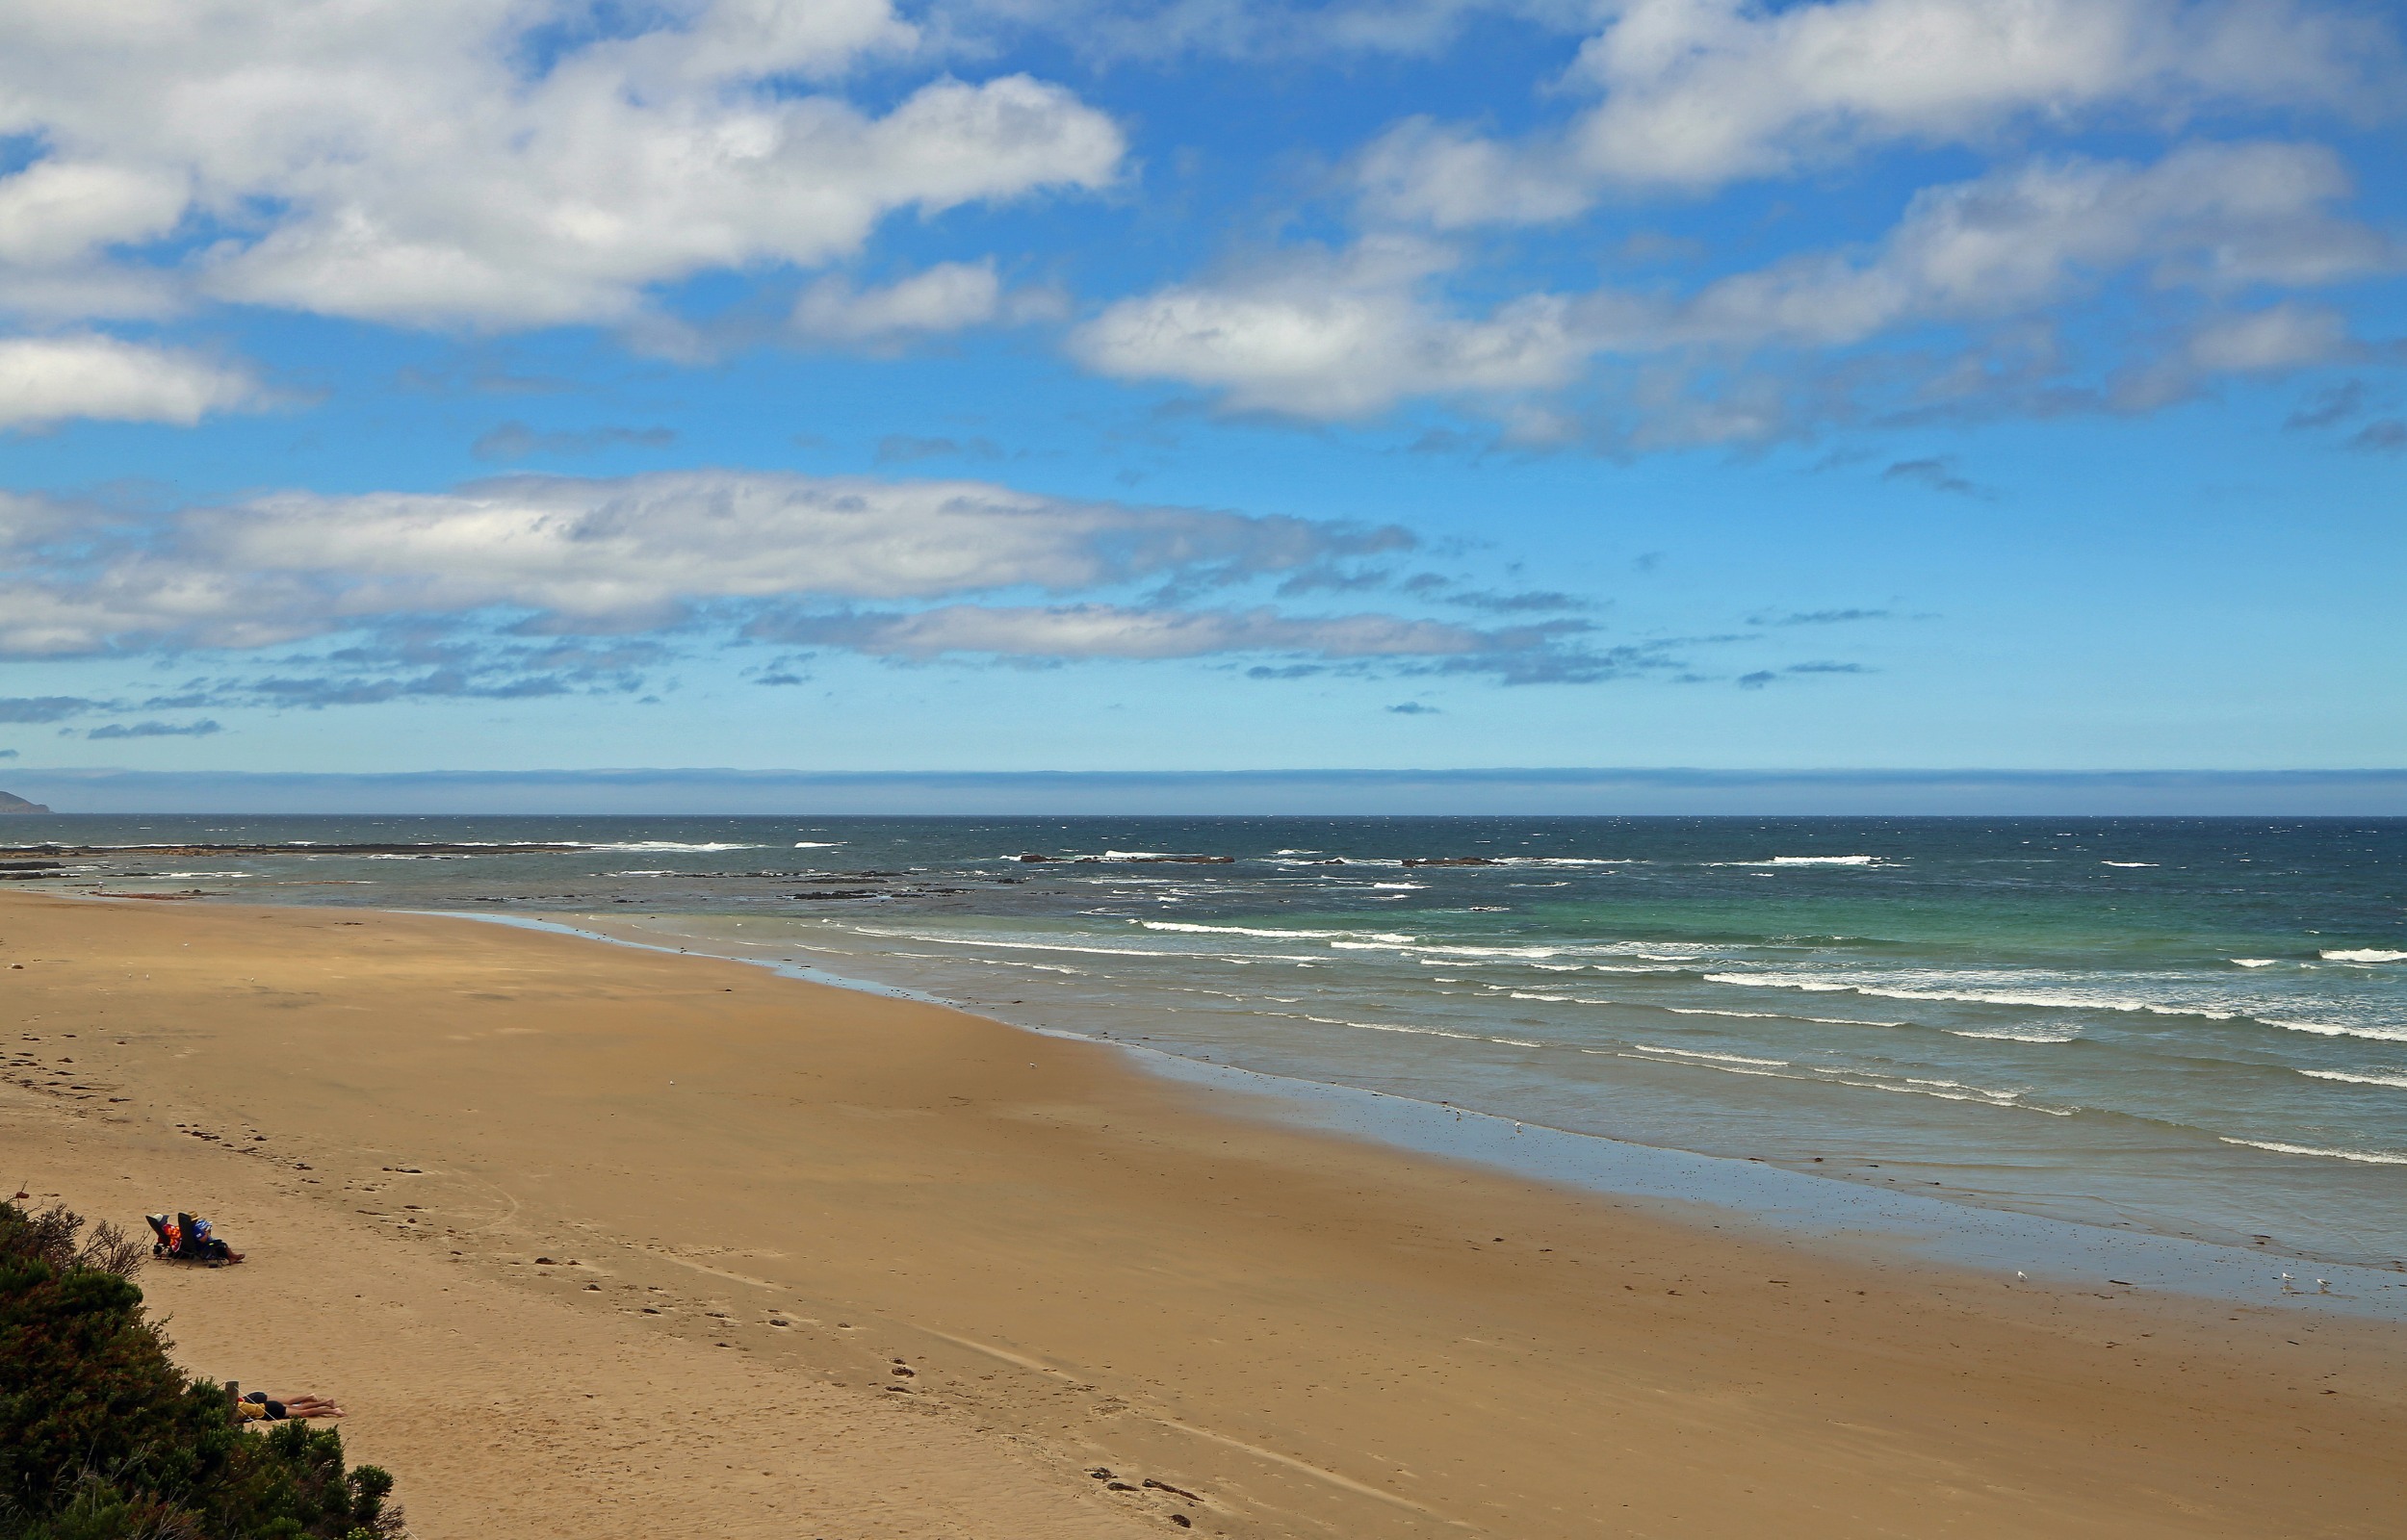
{"x": 1013, "y": 385}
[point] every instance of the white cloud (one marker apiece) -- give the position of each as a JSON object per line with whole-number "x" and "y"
{"x": 1125, "y": 631}
{"x": 949, "y": 297}
{"x": 435, "y": 162}
{"x": 945, "y": 297}
{"x": 1158, "y": 30}
{"x": 2279, "y": 336}
{"x": 48, "y": 379}
{"x": 435, "y": 592}
{"x": 1339, "y": 338}
{"x": 2213, "y": 217}
{"x": 55, "y": 211}
{"x": 1426, "y": 172}
{"x": 1697, "y": 92}
{"x": 599, "y": 555}
{"x": 1330, "y": 338}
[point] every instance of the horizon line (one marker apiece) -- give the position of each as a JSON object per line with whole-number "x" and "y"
{"x": 1494, "y": 791}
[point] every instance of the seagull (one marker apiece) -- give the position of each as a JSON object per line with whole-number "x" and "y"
{"x": 2322, "y": 1286}
{"x": 2286, "y": 1287}
{"x": 2020, "y": 1276}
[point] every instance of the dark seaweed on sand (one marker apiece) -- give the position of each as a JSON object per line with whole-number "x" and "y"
{"x": 103, "y": 1438}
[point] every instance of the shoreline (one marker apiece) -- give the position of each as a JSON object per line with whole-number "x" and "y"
{"x": 585, "y": 1234}
{"x": 1878, "y": 1224}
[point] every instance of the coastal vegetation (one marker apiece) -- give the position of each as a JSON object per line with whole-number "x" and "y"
{"x": 102, "y": 1437}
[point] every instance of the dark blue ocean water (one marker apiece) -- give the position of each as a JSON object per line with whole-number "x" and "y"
{"x": 2195, "y": 1026}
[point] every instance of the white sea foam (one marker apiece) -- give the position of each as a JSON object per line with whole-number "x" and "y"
{"x": 2010, "y": 1034}
{"x": 1778, "y": 1016}
{"x": 2362, "y": 1157}
{"x": 1806, "y": 860}
{"x": 2333, "y": 1029}
{"x": 2364, "y": 954}
{"x": 1381, "y": 939}
{"x": 2057, "y": 999}
{"x": 1394, "y": 1026}
{"x": 1943, "y": 1091}
{"x": 1719, "y": 1069}
{"x": 2253, "y": 962}
{"x": 2127, "y": 864}
{"x": 1017, "y": 946}
{"x": 1450, "y": 951}
{"x": 673, "y": 844}
{"x": 1719, "y": 1057}
{"x": 2399, "y": 1081}
{"x": 817, "y": 844}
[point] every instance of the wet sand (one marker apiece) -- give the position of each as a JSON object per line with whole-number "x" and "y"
{"x": 593, "y": 1240}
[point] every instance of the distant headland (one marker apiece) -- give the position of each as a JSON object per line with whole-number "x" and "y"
{"x": 12, "y": 804}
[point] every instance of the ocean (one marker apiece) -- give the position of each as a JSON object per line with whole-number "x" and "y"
{"x": 2190, "y": 1027}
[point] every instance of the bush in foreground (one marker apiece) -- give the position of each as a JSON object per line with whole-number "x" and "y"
{"x": 103, "y": 1438}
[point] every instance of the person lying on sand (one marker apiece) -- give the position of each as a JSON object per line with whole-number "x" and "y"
{"x": 186, "y": 1239}
{"x": 260, "y": 1407}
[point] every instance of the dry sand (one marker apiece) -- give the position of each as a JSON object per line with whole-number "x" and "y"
{"x": 760, "y": 1199}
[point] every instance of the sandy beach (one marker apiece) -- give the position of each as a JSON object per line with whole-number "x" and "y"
{"x": 595, "y": 1240}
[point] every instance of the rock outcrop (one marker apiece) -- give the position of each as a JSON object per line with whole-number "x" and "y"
{"x": 11, "y": 804}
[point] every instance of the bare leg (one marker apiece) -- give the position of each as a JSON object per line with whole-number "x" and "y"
{"x": 308, "y": 1406}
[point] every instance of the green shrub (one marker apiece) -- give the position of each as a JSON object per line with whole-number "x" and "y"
{"x": 103, "y": 1438}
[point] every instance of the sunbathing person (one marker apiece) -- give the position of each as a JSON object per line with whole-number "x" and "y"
{"x": 260, "y": 1407}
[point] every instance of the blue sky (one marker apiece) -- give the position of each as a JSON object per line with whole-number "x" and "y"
{"x": 1015, "y": 385}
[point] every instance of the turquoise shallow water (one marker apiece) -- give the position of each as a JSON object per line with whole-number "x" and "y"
{"x": 2197, "y": 1027}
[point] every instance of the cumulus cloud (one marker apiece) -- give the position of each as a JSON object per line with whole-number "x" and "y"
{"x": 450, "y": 162}
{"x": 1694, "y": 93}
{"x": 1341, "y": 336}
{"x": 946, "y": 298}
{"x": 49, "y": 379}
{"x": 1327, "y": 336}
{"x": 2209, "y": 216}
{"x": 605, "y": 556}
{"x": 1156, "y": 30}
